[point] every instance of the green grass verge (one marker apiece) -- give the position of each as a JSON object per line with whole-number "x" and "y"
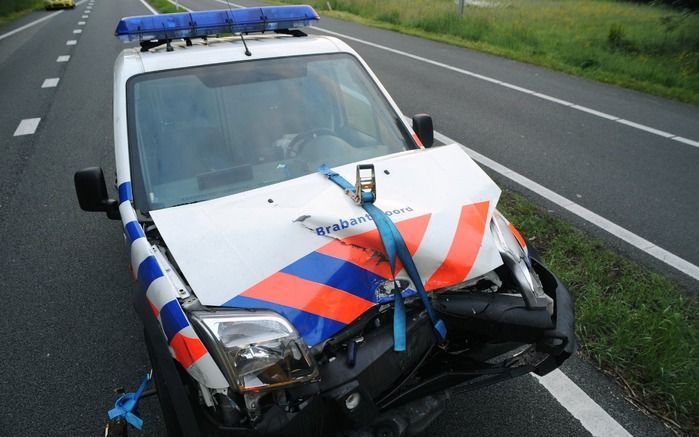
{"x": 634, "y": 323}
{"x": 11, "y": 10}
{"x": 165, "y": 7}
{"x": 654, "y": 49}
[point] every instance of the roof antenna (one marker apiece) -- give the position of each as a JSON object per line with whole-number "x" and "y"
{"x": 247, "y": 52}
{"x": 242, "y": 38}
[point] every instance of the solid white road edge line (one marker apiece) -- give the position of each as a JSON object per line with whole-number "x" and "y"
{"x": 552, "y": 99}
{"x": 35, "y": 22}
{"x": 581, "y": 406}
{"x": 149, "y": 7}
{"x": 546, "y": 97}
{"x": 27, "y": 126}
{"x": 179, "y": 5}
{"x": 624, "y": 234}
{"x": 28, "y": 25}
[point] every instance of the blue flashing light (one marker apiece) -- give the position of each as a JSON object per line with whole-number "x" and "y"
{"x": 204, "y": 23}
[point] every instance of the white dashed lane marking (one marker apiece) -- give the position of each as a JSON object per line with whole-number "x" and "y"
{"x": 84, "y": 16}
{"x": 27, "y": 126}
{"x": 50, "y": 82}
{"x": 77, "y": 31}
{"x": 686, "y": 141}
{"x": 71, "y": 42}
{"x": 64, "y": 58}
{"x": 81, "y": 23}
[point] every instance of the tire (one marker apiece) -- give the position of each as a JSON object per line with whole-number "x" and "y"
{"x": 168, "y": 410}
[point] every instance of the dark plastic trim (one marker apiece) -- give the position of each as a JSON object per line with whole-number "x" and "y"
{"x": 170, "y": 387}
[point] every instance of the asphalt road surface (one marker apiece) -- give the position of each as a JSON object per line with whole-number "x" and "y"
{"x": 70, "y": 334}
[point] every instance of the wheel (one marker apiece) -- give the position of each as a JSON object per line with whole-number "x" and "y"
{"x": 169, "y": 414}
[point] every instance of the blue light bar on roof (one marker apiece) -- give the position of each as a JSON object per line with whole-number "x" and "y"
{"x": 203, "y": 23}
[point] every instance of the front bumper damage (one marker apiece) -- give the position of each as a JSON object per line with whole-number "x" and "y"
{"x": 367, "y": 389}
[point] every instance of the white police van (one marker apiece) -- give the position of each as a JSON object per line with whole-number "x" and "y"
{"x": 310, "y": 264}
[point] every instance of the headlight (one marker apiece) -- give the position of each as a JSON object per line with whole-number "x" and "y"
{"x": 507, "y": 237}
{"x": 258, "y": 350}
{"x": 515, "y": 254}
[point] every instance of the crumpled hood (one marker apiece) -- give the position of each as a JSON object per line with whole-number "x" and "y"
{"x": 303, "y": 248}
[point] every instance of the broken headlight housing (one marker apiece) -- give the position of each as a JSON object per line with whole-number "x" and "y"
{"x": 257, "y": 350}
{"x": 515, "y": 255}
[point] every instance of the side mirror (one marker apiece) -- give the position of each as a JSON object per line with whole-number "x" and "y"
{"x": 92, "y": 192}
{"x": 422, "y": 125}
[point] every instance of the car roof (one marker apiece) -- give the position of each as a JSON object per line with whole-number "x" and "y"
{"x": 228, "y": 49}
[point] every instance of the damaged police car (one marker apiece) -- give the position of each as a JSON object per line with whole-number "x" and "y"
{"x": 310, "y": 264}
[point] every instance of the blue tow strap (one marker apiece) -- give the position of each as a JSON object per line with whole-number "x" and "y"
{"x": 394, "y": 244}
{"x": 125, "y": 406}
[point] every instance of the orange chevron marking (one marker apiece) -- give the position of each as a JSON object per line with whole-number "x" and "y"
{"x": 187, "y": 350}
{"x": 464, "y": 249}
{"x": 312, "y": 297}
{"x": 518, "y": 236}
{"x": 366, "y": 250}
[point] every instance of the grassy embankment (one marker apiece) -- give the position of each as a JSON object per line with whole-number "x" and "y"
{"x": 654, "y": 49}
{"x": 635, "y": 324}
{"x": 12, "y": 9}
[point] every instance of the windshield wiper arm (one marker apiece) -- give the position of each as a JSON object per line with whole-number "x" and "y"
{"x": 184, "y": 203}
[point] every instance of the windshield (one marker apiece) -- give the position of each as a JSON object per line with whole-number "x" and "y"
{"x": 206, "y": 132}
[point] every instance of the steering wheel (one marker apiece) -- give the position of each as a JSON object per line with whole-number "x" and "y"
{"x": 300, "y": 140}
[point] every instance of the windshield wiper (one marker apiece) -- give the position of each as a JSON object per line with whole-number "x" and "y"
{"x": 184, "y": 203}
